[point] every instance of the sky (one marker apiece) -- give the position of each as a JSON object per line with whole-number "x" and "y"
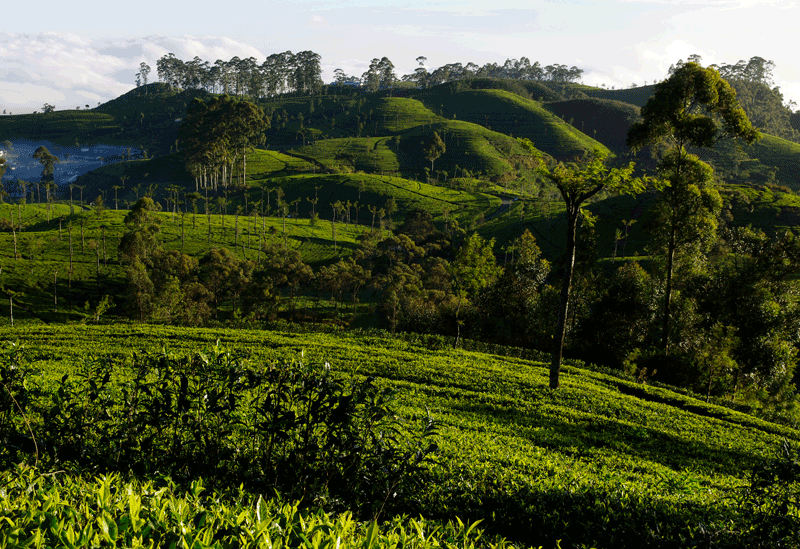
{"x": 91, "y": 53}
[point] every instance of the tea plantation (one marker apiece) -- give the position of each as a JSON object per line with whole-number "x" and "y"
{"x": 455, "y": 437}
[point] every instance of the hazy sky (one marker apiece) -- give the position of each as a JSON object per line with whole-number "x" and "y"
{"x": 91, "y": 52}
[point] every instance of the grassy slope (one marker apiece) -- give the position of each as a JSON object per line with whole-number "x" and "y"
{"x": 510, "y": 114}
{"x": 634, "y": 96}
{"x": 467, "y": 145}
{"x": 44, "y": 251}
{"x": 523, "y": 458}
{"x": 606, "y": 120}
{"x": 781, "y": 154}
{"x": 45, "y": 248}
{"x": 117, "y": 122}
{"x": 61, "y": 127}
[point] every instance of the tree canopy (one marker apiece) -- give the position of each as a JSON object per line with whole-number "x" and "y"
{"x": 694, "y": 107}
{"x": 217, "y": 133}
{"x": 47, "y": 160}
{"x": 577, "y": 183}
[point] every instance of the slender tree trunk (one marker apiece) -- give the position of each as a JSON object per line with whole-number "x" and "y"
{"x": 566, "y": 285}
{"x": 668, "y": 292}
{"x": 69, "y": 232}
{"x": 14, "y": 232}
{"x": 458, "y": 324}
{"x": 333, "y": 229}
{"x": 55, "y": 291}
{"x": 11, "y": 309}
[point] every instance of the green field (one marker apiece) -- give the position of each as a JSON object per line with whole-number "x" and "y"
{"x": 602, "y": 461}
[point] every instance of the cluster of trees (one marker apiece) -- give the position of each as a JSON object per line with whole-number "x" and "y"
{"x": 381, "y": 73}
{"x": 761, "y": 98}
{"x": 733, "y": 312}
{"x": 279, "y": 73}
{"x": 216, "y": 135}
{"x": 514, "y": 69}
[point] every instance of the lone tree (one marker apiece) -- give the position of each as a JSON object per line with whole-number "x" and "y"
{"x": 694, "y": 107}
{"x": 434, "y": 148}
{"x": 577, "y": 183}
{"x": 47, "y": 160}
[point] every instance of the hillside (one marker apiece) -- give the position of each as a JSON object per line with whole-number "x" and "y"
{"x": 632, "y": 96}
{"x": 510, "y": 114}
{"x": 606, "y": 120}
{"x": 144, "y": 117}
{"x": 344, "y": 259}
{"x": 604, "y": 461}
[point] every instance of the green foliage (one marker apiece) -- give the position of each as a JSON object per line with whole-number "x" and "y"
{"x": 605, "y": 462}
{"x": 434, "y": 148}
{"x": 59, "y": 510}
{"x": 693, "y": 107}
{"x": 772, "y": 500}
{"x": 474, "y": 266}
{"x": 294, "y": 428}
{"x": 47, "y": 160}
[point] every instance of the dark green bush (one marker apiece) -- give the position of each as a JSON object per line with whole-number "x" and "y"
{"x": 771, "y": 503}
{"x": 293, "y": 428}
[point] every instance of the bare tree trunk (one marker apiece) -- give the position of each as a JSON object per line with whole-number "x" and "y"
{"x": 566, "y": 284}
{"x": 14, "y": 232}
{"x": 69, "y": 232}
{"x": 668, "y": 293}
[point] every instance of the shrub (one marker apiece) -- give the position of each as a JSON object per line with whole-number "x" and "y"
{"x": 290, "y": 427}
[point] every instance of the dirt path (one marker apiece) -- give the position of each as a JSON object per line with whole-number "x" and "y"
{"x": 504, "y": 207}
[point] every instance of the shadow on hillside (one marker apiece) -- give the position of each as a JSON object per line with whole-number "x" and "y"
{"x": 599, "y": 432}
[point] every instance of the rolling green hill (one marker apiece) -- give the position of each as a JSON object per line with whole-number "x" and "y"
{"x": 633, "y": 96}
{"x": 510, "y": 114}
{"x": 468, "y": 146}
{"x": 62, "y": 127}
{"x": 605, "y": 120}
{"x": 780, "y": 154}
{"x": 144, "y": 117}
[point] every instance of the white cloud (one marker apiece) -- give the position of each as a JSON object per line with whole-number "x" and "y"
{"x": 66, "y": 70}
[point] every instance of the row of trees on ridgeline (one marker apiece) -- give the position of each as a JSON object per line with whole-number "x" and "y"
{"x": 279, "y": 73}
{"x": 301, "y": 72}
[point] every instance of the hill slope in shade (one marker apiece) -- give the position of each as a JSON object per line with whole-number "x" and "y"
{"x": 605, "y": 120}
{"x": 510, "y": 114}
